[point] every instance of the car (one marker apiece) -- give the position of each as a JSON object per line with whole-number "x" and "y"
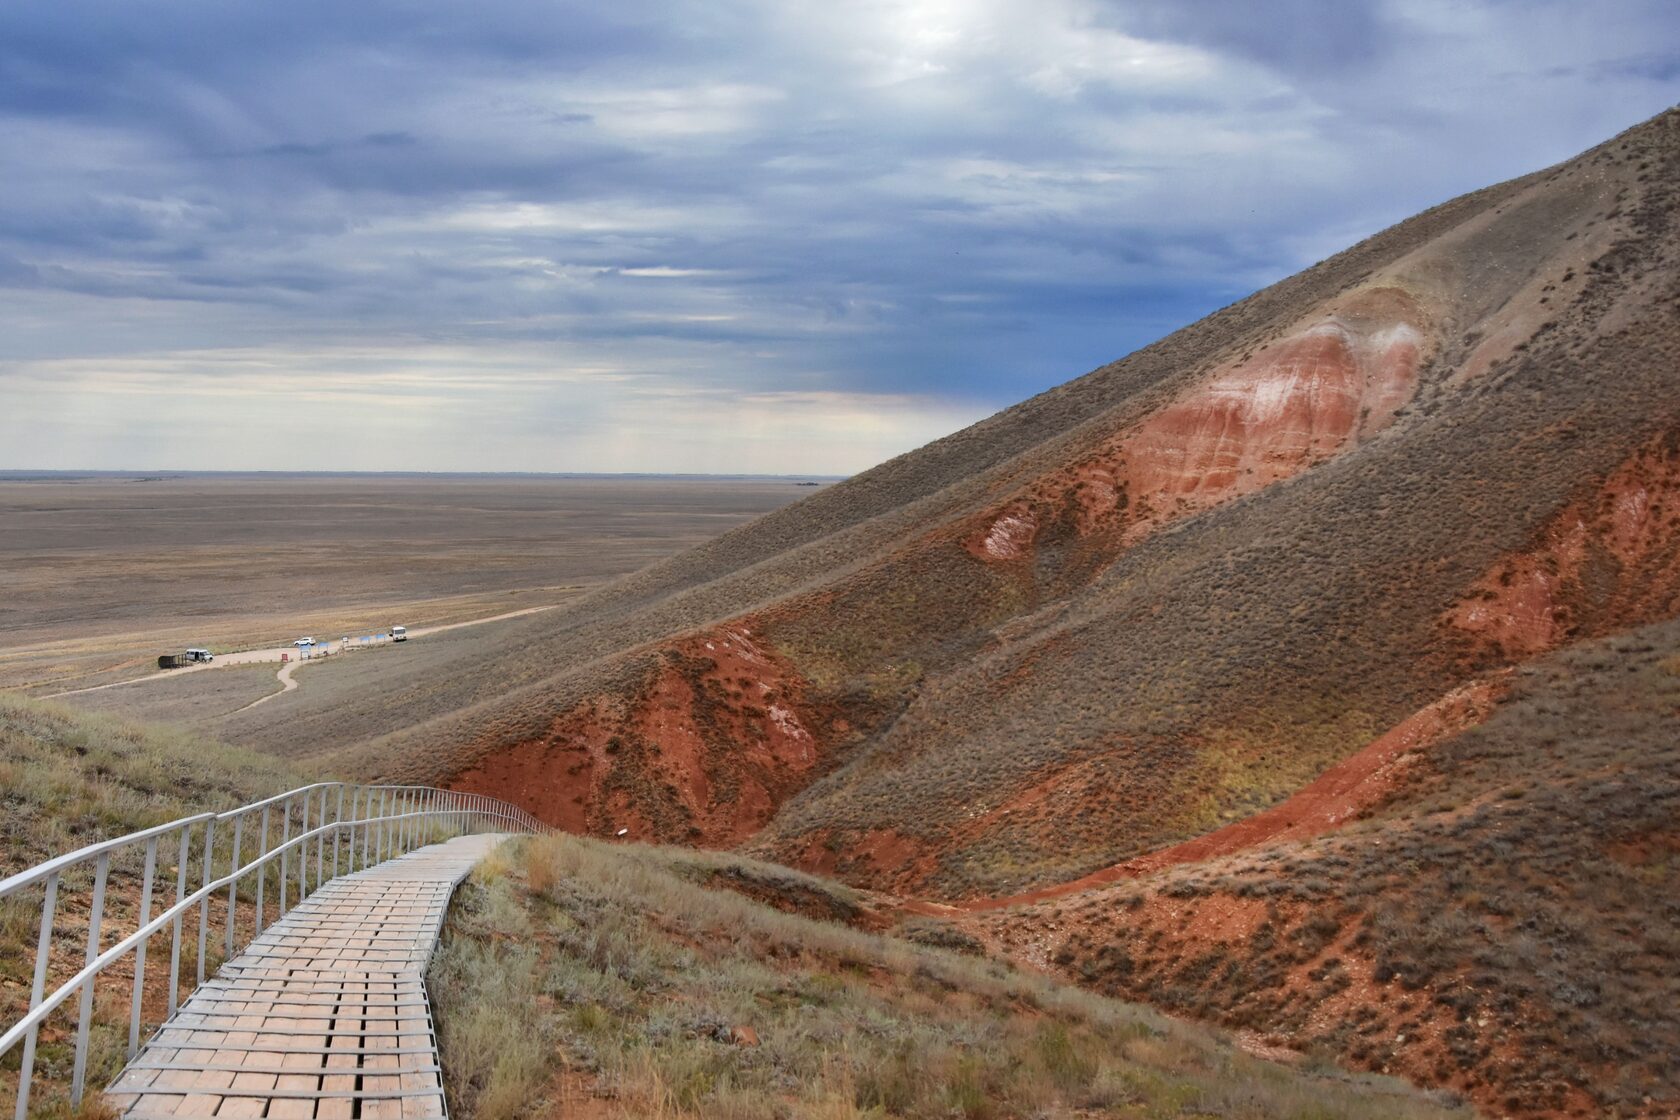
{"x": 301, "y": 642}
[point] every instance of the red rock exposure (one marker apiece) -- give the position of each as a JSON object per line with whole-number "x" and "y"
{"x": 1314, "y": 394}
{"x": 1607, "y": 562}
{"x": 719, "y": 734}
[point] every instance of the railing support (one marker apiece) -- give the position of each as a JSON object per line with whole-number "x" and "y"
{"x": 43, "y": 951}
{"x": 233, "y": 886}
{"x": 140, "y": 950}
{"x": 84, "y": 1014}
{"x": 175, "y": 926}
{"x": 204, "y": 907}
{"x": 262, "y": 872}
{"x": 285, "y": 851}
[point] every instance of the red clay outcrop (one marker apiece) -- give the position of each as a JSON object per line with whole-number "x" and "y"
{"x": 717, "y": 737}
{"x": 1609, "y": 561}
{"x": 1317, "y": 392}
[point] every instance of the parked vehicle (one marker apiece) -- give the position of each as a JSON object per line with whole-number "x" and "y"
{"x": 195, "y": 655}
{"x": 302, "y": 642}
{"x": 399, "y": 633}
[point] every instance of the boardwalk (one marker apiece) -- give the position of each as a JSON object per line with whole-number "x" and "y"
{"x": 324, "y": 1015}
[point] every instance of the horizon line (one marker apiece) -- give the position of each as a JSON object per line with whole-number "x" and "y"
{"x": 163, "y": 474}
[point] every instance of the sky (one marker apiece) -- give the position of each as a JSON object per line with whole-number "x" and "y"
{"x": 738, "y": 236}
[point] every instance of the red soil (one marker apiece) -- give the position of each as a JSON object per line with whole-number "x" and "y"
{"x": 717, "y": 737}
{"x": 1338, "y": 795}
{"x": 1297, "y": 403}
{"x": 1415, "y": 1030}
{"x": 885, "y": 853}
{"x": 1609, "y": 561}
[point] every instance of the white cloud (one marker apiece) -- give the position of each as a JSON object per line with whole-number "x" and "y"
{"x": 441, "y": 408}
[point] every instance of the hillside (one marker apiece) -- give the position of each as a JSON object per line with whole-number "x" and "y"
{"x": 580, "y": 979}
{"x": 1502, "y": 918}
{"x": 1145, "y": 604}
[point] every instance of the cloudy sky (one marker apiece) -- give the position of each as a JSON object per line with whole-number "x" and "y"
{"x": 729, "y": 236}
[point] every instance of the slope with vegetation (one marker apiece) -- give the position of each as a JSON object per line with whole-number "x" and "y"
{"x": 579, "y": 979}
{"x": 1505, "y": 920}
{"x": 1147, "y": 603}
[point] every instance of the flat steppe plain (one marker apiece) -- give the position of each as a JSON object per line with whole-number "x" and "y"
{"x": 99, "y": 574}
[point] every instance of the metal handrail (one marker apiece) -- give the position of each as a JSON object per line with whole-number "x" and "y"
{"x": 62, "y": 863}
{"x": 405, "y": 817}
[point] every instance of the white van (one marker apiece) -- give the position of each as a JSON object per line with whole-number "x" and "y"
{"x": 399, "y": 633}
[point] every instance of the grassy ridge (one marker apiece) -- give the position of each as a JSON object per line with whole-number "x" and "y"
{"x": 68, "y": 778}
{"x": 610, "y": 982}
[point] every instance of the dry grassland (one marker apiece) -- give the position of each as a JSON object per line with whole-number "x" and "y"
{"x": 100, "y": 574}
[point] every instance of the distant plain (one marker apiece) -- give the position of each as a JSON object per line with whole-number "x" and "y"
{"x": 99, "y": 573}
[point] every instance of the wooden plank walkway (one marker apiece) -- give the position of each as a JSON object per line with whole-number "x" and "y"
{"x": 323, "y": 1016}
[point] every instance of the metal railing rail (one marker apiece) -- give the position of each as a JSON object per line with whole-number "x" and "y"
{"x": 379, "y": 823}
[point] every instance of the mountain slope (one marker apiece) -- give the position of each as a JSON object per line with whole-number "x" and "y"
{"x": 1154, "y": 600}
{"x": 1502, "y": 917}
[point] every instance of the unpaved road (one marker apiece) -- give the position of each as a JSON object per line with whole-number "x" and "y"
{"x": 287, "y": 684}
{"x": 290, "y": 653}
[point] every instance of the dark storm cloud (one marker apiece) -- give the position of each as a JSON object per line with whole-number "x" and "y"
{"x": 929, "y": 201}
{"x": 1307, "y": 39}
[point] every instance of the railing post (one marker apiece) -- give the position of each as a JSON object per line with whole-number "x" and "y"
{"x": 233, "y": 887}
{"x": 140, "y": 949}
{"x": 338, "y": 819}
{"x": 355, "y": 826}
{"x": 367, "y": 827}
{"x": 204, "y": 903}
{"x": 175, "y": 924}
{"x": 321, "y": 840}
{"x": 285, "y": 851}
{"x": 303, "y": 850}
{"x": 262, "y": 874}
{"x": 84, "y": 1014}
{"x": 43, "y": 950}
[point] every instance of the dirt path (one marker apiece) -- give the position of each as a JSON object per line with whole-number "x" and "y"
{"x": 287, "y": 684}
{"x": 259, "y": 656}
